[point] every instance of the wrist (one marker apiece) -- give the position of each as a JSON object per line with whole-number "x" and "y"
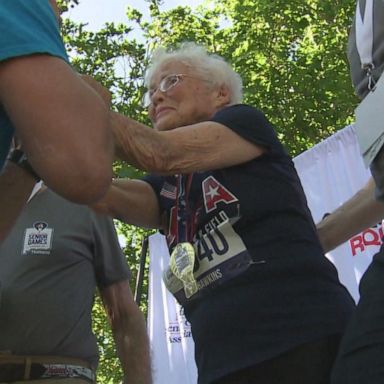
{"x": 18, "y": 157}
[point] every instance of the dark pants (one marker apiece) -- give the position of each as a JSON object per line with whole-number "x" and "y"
{"x": 361, "y": 355}
{"x": 309, "y": 363}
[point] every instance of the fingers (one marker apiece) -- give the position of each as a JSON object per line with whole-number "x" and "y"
{"x": 100, "y": 89}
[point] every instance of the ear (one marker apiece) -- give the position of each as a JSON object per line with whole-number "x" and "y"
{"x": 222, "y": 96}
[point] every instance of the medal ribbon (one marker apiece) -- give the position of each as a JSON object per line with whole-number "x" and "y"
{"x": 183, "y": 255}
{"x": 184, "y": 223}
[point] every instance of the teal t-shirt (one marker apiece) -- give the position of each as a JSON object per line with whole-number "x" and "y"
{"x": 27, "y": 27}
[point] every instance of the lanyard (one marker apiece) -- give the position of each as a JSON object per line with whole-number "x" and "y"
{"x": 185, "y": 225}
{"x": 364, "y": 38}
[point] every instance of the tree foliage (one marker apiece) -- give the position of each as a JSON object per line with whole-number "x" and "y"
{"x": 290, "y": 54}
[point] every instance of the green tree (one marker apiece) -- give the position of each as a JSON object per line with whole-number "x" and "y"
{"x": 290, "y": 54}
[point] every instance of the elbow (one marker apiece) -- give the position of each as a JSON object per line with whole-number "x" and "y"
{"x": 82, "y": 181}
{"x": 83, "y": 187}
{"x": 163, "y": 163}
{"x": 160, "y": 167}
{"x": 94, "y": 185}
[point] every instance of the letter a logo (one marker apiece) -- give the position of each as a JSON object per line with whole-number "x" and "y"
{"x": 215, "y": 193}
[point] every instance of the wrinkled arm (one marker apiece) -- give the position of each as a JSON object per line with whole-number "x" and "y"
{"x": 16, "y": 185}
{"x": 131, "y": 201}
{"x": 63, "y": 123}
{"x": 129, "y": 331}
{"x": 199, "y": 147}
{"x": 358, "y": 213}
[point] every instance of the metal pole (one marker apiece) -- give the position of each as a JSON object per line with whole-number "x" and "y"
{"x": 140, "y": 272}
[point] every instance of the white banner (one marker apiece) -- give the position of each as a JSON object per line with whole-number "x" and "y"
{"x": 331, "y": 172}
{"x": 173, "y": 349}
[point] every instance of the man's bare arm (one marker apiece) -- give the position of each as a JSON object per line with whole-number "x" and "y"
{"x": 358, "y": 213}
{"x": 129, "y": 331}
{"x": 131, "y": 201}
{"x": 63, "y": 123}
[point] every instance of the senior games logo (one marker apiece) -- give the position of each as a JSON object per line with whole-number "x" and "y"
{"x": 38, "y": 239}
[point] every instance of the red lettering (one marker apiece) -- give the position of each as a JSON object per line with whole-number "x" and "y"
{"x": 356, "y": 243}
{"x": 371, "y": 237}
{"x": 381, "y": 233}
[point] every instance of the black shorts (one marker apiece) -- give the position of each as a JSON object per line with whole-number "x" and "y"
{"x": 310, "y": 363}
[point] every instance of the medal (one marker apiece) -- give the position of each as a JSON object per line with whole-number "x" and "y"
{"x": 181, "y": 264}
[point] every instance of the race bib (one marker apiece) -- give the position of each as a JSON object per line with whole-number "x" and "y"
{"x": 220, "y": 256}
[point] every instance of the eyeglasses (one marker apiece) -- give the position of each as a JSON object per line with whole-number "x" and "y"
{"x": 167, "y": 83}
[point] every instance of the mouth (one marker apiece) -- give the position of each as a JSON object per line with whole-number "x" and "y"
{"x": 161, "y": 111}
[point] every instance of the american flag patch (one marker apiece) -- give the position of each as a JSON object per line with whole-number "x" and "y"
{"x": 168, "y": 191}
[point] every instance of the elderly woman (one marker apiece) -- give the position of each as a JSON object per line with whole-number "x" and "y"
{"x": 264, "y": 303}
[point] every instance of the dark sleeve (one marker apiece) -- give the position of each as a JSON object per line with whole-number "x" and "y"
{"x": 157, "y": 183}
{"x": 154, "y": 181}
{"x": 110, "y": 262}
{"x": 251, "y": 124}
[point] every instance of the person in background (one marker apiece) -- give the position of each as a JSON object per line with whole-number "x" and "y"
{"x": 53, "y": 111}
{"x": 360, "y": 359}
{"x": 55, "y": 256}
{"x": 264, "y": 303}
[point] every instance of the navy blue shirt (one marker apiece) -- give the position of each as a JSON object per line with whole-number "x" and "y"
{"x": 290, "y": 293}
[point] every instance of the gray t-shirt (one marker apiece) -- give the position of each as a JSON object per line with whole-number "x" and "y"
{"x": 50, "y": 265}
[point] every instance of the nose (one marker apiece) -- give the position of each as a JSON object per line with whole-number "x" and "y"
{"x": 157, "y": 96}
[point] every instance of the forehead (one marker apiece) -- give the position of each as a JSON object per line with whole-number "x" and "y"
{"x": 169, "y": 68}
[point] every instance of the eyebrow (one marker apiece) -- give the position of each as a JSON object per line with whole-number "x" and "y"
{"x": 151, "y": 86}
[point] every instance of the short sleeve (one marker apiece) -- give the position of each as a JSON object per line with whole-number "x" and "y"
{"x": 251, "y": 124}
{"x": 110, "y": 262}
{"x": 29, "y": 27}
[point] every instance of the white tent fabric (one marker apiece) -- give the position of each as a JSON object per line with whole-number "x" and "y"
{"x": 169, "y": 332}
{"x": 331, "y": 172}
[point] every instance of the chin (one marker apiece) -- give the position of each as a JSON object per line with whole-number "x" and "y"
{"x": 165, "y": 125}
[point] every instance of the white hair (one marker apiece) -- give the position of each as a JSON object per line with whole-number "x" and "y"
{"x": 208, "y": 66}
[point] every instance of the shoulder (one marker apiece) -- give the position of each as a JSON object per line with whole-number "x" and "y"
{"x": 241, "y": 116}
{"x": 250, "y": 123}
{"x": 66, "y": 207}
{"x": 240, "y": 111}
